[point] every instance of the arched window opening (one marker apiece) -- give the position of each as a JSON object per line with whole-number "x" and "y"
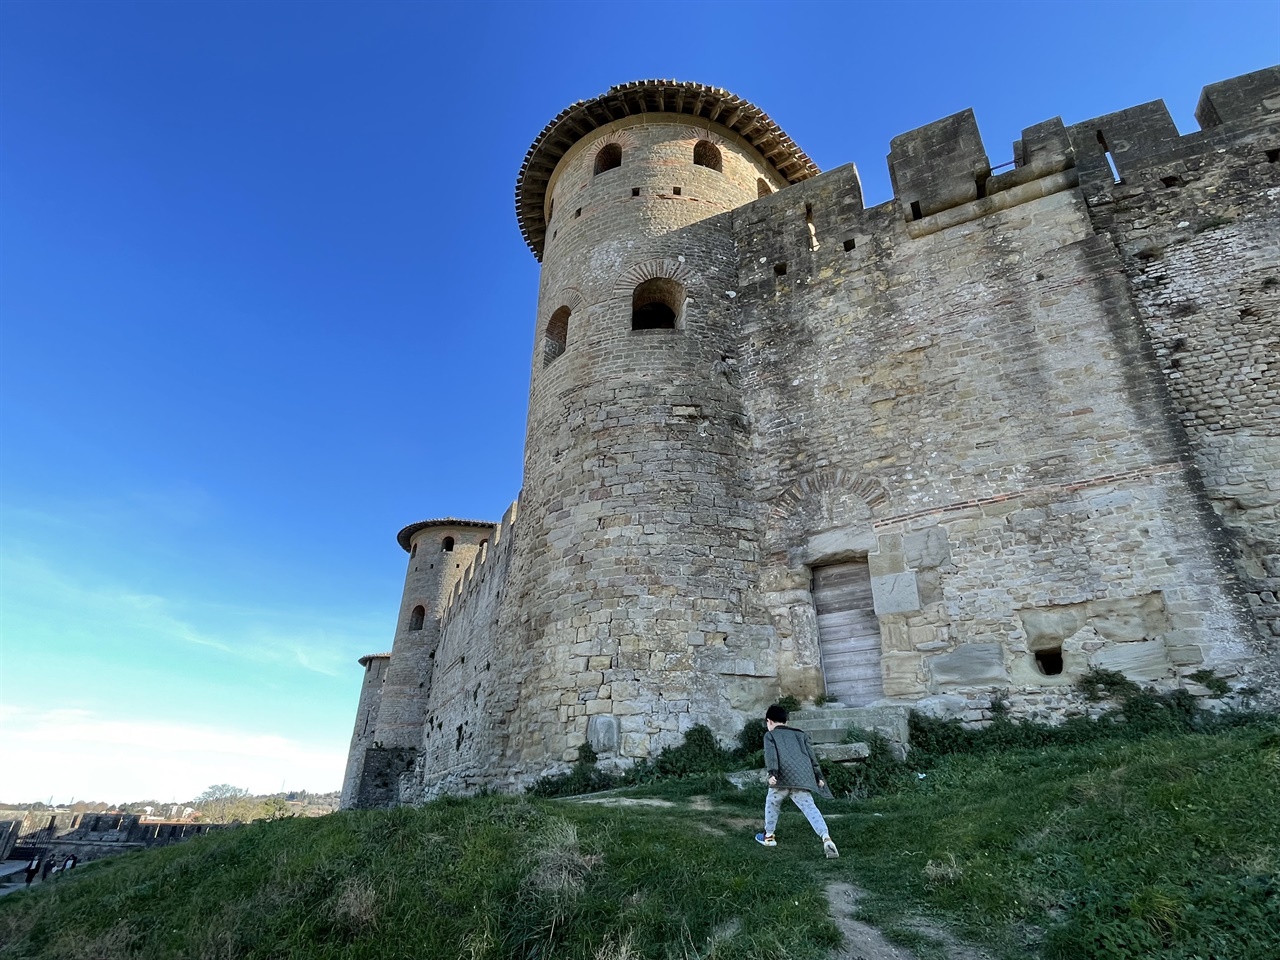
{"x": 413, "y": 552}
{"x": 448, "y": 544}
{"x": 610, "y": 156}
{"x": 762, "y": 188}
{"x": 656, "y": 304}
{"x": 707, "y": 154}
{"x": 557, "y": 336}
{"x": 415, "y": 619}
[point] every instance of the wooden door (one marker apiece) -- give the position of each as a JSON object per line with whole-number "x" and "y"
{"x": 848, "y": 633}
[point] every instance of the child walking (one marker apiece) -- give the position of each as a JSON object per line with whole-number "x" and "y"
{"x": 793, "y": 772}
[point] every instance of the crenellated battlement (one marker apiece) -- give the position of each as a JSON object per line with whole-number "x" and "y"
{"x": 942, "y": 167}
{"x": 942, "y": 176}
{"x": 489, "y": 557}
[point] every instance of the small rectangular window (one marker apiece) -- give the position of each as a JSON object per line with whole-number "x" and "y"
{"x": 849, "y": 244}
{"x": 635, "y": 191}
{"x": 780, "y": 269}
{"x": 676, "y": 191}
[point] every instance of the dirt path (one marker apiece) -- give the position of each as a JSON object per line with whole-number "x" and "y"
{"x": 864, "y": 942}
{"x": 861, "y": 940}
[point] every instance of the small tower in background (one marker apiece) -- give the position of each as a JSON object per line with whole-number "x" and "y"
{"x": 375, "y": 672}
{"x": 440, "y": 551}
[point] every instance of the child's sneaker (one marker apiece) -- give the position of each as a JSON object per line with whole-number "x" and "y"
{"x": 766, "y": 840}
{"x": 829, "y": 848}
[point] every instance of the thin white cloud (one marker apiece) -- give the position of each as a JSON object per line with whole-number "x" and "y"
{"x": 65, "y": 753}
{"x": 262, "y": 636}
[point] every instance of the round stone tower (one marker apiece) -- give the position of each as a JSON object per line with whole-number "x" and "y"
{"x": 635, "y": 458}
{"x": 366, "y": 728}
{"x": 439, "y": 553}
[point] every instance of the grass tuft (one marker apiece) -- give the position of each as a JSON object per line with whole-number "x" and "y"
{"x": 943, "y": 871}
{"x": 560, "y": 867}
{"x": 357, "y": 904}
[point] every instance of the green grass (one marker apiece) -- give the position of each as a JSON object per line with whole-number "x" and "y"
{"x": 1167, "y": 846}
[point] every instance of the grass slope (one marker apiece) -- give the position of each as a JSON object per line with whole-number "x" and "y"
{"x": 1164, "y": 847}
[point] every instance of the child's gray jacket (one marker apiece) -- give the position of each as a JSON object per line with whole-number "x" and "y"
{"x": 789, "y": 756}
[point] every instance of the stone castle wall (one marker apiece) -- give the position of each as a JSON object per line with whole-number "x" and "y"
{"x": 999, "y": 454}
{"x": 1197, "y": 228}
{"x": 1038, "y": 406}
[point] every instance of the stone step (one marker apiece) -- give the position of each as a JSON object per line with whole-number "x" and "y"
{"x": 830, "y": 724}
{"x": 842, "y": 752}
{"x": 822, "y": 729}
{"x": 827, "y": 753}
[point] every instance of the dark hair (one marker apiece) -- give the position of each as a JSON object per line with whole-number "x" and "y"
{"x": 776, "y": 713}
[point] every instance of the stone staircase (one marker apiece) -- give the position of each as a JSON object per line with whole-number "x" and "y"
{"x": 827, "y": 727}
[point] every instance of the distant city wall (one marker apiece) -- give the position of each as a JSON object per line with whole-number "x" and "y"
{"x": 93, "y": 835}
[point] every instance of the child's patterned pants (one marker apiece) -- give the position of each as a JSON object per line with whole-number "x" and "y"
{"x": 802, "y": 799}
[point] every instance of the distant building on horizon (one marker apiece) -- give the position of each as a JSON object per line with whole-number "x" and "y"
{"x": 1005, "y": 428}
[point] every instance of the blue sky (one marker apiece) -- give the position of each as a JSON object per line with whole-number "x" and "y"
{"x": 263, "y": 301}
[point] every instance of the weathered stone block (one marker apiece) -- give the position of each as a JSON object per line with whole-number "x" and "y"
{"x": 1124, "y": 620}
{"x": 969, "y": 665}
{"x": 926, "y": 549}
{"x": 938, "y": 166}
{"x": 842, "y": 752}
{"x": 1143, "y": 660}
{"x": 1049, "y": 625}
{"x": 942, "y": 706}
{"x": 895, "y": 593}
{"x": 602, "y": 732}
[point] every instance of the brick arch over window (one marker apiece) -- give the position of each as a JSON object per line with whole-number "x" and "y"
{"x": 762, "y": 188}
{"x": 608, "y": 157}
{"x": 672, "y": 281}
{"x": 707, "y": 154}
{"x": 799, "y": 509}
{"x": 556, "y": 335}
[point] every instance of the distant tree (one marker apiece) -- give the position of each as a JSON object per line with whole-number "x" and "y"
{"x": 222, "y": 803}
{"x": 273, "y": 808}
